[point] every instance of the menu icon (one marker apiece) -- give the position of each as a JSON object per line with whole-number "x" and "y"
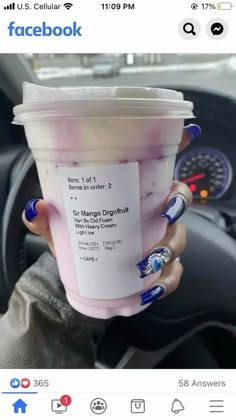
{"x": 216, "y": 406}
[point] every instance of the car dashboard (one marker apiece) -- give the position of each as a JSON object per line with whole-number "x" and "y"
{"x": 208, "y": 165}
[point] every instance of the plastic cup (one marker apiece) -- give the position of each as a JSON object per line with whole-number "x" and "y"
{"x": 105, "y": 159}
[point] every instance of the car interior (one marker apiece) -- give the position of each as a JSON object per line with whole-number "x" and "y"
{"x": 196, "y": 326}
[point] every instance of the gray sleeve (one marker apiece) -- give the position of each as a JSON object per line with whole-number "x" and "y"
{"x": 40, "y": 328}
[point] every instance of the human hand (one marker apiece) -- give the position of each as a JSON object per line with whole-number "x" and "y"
{"x": 35, "y": 218}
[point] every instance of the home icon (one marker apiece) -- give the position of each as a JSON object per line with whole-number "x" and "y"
{"x": 19, "y": 406}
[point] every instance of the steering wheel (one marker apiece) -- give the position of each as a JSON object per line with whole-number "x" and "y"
{"x": 206, "y": 295}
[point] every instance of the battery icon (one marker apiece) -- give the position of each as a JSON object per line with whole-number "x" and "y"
{"x": 224, "y": 5}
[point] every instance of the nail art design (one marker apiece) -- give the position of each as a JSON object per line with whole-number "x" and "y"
{"x": 175, "y": 208}
{"x": 30, "y": 210}
{"x": 152, "y": 294}
{"x": 154, "y": 262}
{"x": 194, "y": 130}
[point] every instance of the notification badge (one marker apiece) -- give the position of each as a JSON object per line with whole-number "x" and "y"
{"x": 65, "y": 400}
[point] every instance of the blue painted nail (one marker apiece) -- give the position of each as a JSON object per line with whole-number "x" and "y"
{"x": 30, "y": 210}
{"x": 174, "y": 209}
{"x": 154, "y": 262}
{"x": 194, "y": 130}
{"x": 152, "y": 294}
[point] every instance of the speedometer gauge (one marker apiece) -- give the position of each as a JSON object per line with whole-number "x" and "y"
{"x": 206, "y": 171}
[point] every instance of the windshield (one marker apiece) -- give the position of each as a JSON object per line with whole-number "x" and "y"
{"x": 206, "y": 71}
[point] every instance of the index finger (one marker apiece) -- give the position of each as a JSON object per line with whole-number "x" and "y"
{"x": 190, "y": 132}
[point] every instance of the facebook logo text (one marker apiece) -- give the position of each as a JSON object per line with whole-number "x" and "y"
{"x": 44, "y": 30}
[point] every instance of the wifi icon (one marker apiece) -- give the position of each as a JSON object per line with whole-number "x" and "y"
{"x": 68, "y": 5}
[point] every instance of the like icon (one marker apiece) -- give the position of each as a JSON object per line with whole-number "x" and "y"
{"x": 15, "y": 383}
{"x": 25, "y": 383}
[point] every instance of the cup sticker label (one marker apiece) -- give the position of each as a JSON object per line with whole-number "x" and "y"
{"x": 103, "y": 214}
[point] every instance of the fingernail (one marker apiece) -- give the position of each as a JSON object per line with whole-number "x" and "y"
{"x": 30, "y": 210}
{"x": 154, "y": 261}
{"x": 194, "y": 130}
{"x": 152, "y": 294}
{"x": 174, "y": 209}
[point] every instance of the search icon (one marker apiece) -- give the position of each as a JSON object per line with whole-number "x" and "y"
{"x": 188, "y": 28}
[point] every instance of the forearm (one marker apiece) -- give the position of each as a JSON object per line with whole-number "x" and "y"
{"x": 40, "y": 328}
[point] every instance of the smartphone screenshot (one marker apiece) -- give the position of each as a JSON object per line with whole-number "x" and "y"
{"x": 118, "y": 209}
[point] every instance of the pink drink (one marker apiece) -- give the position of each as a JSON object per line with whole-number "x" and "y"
{"x": 105, "y": 159}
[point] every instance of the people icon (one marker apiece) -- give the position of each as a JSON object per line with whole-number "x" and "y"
{"x": 98, "y": 406}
